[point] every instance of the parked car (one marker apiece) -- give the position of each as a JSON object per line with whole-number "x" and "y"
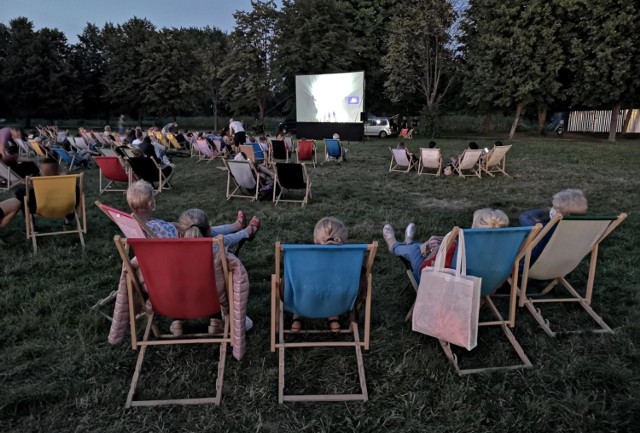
{"x": 379, "y": 126}
{"x": 287, "y": 126}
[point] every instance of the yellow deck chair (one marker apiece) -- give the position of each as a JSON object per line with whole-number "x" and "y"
{"x": 469, "y": 163}
{"x": 495, "y": 161}
{"x": 55, "y": 198}
{"x": 161, "y": 139}
{"x": 570, "y": 240}
{"x": 37, "y": 149}
{"x": 430, "y": 159}
{"x": 173, "y": 141}
{"x": 306, "y": 288}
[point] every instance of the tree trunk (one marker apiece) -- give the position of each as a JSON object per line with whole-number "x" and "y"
{"x": 514, "y": 126}
{"x": 613, "y": 126}
{"x": 487, "y": 124}
{"x": 261, "y": 115}
{"x": 215, "y": 114}
{"x": 542, "y": 119}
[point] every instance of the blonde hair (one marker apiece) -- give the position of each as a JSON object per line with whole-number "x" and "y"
{"x": 330, "y": 230}
{"x": 194, "y": 223}
{"x": 489, "y": 219}
{"x": 140, "y": 196}
{"x": 570, "y": 201}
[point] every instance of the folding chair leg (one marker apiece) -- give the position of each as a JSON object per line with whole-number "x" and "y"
{"x": 136, "y": 373}
{"x": 79, "y": 226}
{"x": 363, "y": 381}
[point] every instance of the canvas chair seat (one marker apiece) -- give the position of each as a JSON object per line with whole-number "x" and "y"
{"x": 495, "y": 161}
{"x": 333, "y": 150}
{"x": 72, "y": 159}
{"x": 307, "y": 152}
{"x": 469, "y": 163}
{"x": 186, "y": 291}
{"x": 10, "y": 177}
{"x": 430, "y": 159}
{"x": 572, "y": 239}
{"x": 245, "y": 178}
{"x": 291, "y": 176}
{"x": 278, "y": 151}
{"x": 204, "y": 149}
{"x": 306, "y": 288}
{"x": 149, "y": 170}
{"x": 400, "y": 161}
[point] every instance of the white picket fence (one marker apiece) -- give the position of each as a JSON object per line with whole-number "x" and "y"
{"x": 598, "y": 121}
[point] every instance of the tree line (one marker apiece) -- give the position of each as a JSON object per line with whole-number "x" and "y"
{"x": 431, "y": 57}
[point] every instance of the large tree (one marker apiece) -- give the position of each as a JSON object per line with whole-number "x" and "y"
{"x": 90, "y": 62}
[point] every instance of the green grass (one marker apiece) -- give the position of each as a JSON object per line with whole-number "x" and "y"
{"x": 59, "y": 374}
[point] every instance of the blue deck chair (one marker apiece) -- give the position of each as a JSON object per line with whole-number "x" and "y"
{"x": 307, "y": 288}
{"x": 494, "y": 255}
{"x": 258, "y": 152}
{"x": 72, "y": 159}
{"x": 333, "y": 150}
{"x": 567, "y": 241}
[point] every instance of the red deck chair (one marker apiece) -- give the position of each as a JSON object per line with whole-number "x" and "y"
{"x": 180, "y": 279}
{"x": 111, "y": 169}
{"x": 307, "y": 151}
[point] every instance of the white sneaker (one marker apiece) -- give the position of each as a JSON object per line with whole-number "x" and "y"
{"x": 388, "y": 235}
{"x": 248, "y": 324}
{"x": 409, "y": 233}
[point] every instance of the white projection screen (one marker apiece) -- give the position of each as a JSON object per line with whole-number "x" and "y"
{"x": 330, "y": 97}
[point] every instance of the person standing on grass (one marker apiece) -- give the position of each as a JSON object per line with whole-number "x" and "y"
{"x": 237, "y": 129}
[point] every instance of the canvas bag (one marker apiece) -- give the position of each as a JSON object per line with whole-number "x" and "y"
{"x": 448, "y": 301}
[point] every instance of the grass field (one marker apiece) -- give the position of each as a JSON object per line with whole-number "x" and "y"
{"x": 59, "y": 374}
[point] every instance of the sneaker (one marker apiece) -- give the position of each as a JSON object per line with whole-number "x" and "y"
{"x": 409, "y": 233}
{"x": 248, "y": 324}
{"x": 216, "y": 326}
{"x": 176, "y": 328}
{"x": 388, "y": 235}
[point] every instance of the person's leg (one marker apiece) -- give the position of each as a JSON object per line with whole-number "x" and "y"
{"x": 8, "y": 210}
{"x": 410, "y": 252}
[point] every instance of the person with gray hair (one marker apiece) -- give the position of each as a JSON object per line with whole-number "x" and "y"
{"x": 422, "y": 255}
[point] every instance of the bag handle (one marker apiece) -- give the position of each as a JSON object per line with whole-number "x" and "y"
{"x": 438, "y": 264}
{"x": 461, "y": 262}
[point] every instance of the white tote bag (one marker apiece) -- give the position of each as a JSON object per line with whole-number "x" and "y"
{"x": 448, "y": 301}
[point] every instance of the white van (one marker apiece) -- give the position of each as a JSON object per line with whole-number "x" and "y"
{"x": 379, "y": 126}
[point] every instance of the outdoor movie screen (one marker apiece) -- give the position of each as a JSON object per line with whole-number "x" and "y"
{"x": 330, "y": 97}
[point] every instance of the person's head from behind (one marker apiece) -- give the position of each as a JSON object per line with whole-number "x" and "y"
{"x": 140, "y": 198}
{"x": 498, "y": 143}
{"x": 330, "y": 230}
{"x": 569, "y": 202}
{"x": 107, "y": 129}
{"x": 194, "y": 223}
{"x": 401, "y": 145}
{"x": 432, "y": 145}
{"x": 336, "y": 136}
{"x": 489, "y": 219}
{"x": 49, "y": 167}
{"x": 473, "y": 145}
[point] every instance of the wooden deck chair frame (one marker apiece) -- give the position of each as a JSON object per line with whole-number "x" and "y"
{"x": 430, "y": 159}
{"x": 160, "y": 138}
{"x": 72, "y": 159}
{"x": 278, "y": 334}
{"x": 495, "y": 161}
{"x": 163, "y": 182}
{"x": 399, "y": 159}
{"x": 531, "y": 271}
{"x": 80, "y": 219}
{"x": 314, "y": 153}
{"x": 37, "y": 148}
{"x": 327, "y": 157}
{"x": 273, "y": 151}
{"x": 24, "y": 149}
{"x": 409, "y": 135}
{"x": 247, "y": 149}
{"x": 469, "y": 161}
{"x": 276, "y": 181}
{"x": 223, "y": 339}
{"x": 237, "y": 192}
{"x": 10, "y": 176}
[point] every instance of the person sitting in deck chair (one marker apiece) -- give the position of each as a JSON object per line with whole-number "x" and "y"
{"x": 410, "y": 156}
{"x": 450, "y": 168}
{"x": 423, "y": 255}
{"x": 9, "y": 208}
{"x": 141, "y": 201}
{"x": 158, "y": 153}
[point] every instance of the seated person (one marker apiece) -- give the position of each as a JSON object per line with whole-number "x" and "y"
{"x": 141, "y": 201}
{"x": 263, "y": 142}
{"x": 263, "y": 171}
{"x": 9, "y": 208}
{"x": 432, "y": 145}
{"x": 423, "y": 255}
{"x": 410, "y": 156}
{"x": 450, "y": 168}
{"x": 157, "y": 152}
{"x": 566, "y": 202}
{"x": 328, "y": 231}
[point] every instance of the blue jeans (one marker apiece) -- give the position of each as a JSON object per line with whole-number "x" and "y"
{"x": 231, "y": 238}
{"x": 410, "y": 252}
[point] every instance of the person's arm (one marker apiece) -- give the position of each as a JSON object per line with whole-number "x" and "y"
{"x": 534, "y": 216}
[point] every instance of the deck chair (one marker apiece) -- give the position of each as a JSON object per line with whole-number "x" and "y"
{"x": 112, "y": 170}
{"x": 179, "y": 275}
{"x": 10, "y": 177}
{"x": 468, "y": 163}
{"x": 290, "y": 176}
{"x": 496, "y": 160}
{"x": 403, "y": 133}
{"x": 100, "y": 139}
{"x": 149, "y": 170}
{"x": 205, "y": 152}
{"x": 79, "y": 144}
{"x": 24, "y": 149}
{"x": 307, "y": 152}
{"x": 572, "y": 239}
{"x": 72, "y": 159}
{"x": 173, "y": 141}
{"x": 290, "y": 144}
{"x": 494, "y": 255}
{"x": 400, "y": 161}
{"x": 307, "y": 289}
{"x": 160, "y": 138}
{"x": 247, "y": 149}
{"x": 55, "y": 198}
{"x": 278, "y": 152}
{"x": 258, "y": 153}
{"x": 430, "y": 159}
{"x": 245, "y": 178}
{"x": 107, "y": 151}
{"x": 38, "y": 149}
{"x": 333, "y": 150}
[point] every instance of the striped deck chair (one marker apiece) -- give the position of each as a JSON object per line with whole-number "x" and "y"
{"x": 205, "y": 152}
{"x": 187, "y": 291}
{"x": 494, "y": 255}
{"x": 571, "y": 239}
{"x": 468, "y": 163}
{"x": 290, "y": 176}
{"x": 111, "y": 169}
{"x": 245, "y": 178}
{"x": 307, "y": 152}
{"x": 10, "y": 177}
{"x": 430, "y": 159}
{"x": 304, "y": 287}
{"x": 55, "y": 197}
{"x": 495, "y": 161}
{"x": 333, "y": 150}
{"x": 400, "y": 161}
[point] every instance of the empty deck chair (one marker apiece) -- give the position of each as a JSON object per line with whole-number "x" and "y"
{"x": 572, "y": 239}
{"x": 333, "y": 150}
{"x": 304, "y": 287}
{"x": 187, "y": 291}
{"x": 10, "y": 177}
{"x": 291, "y": 176}
{"x": 400, "y": 161}
{"x": 278, "y": 152}
{"x": 468, "y": 163}
{"x": 55, "y": 197}
{"x": 245, "y": 178}
{"x": 430, "y": 159}
{"x": 495, "y": 161}
{"x": 307, "y": 152}
{"x": 112, "y": 170}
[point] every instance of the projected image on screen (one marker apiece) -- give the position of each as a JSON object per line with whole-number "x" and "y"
{"x": 330, "y": 97}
